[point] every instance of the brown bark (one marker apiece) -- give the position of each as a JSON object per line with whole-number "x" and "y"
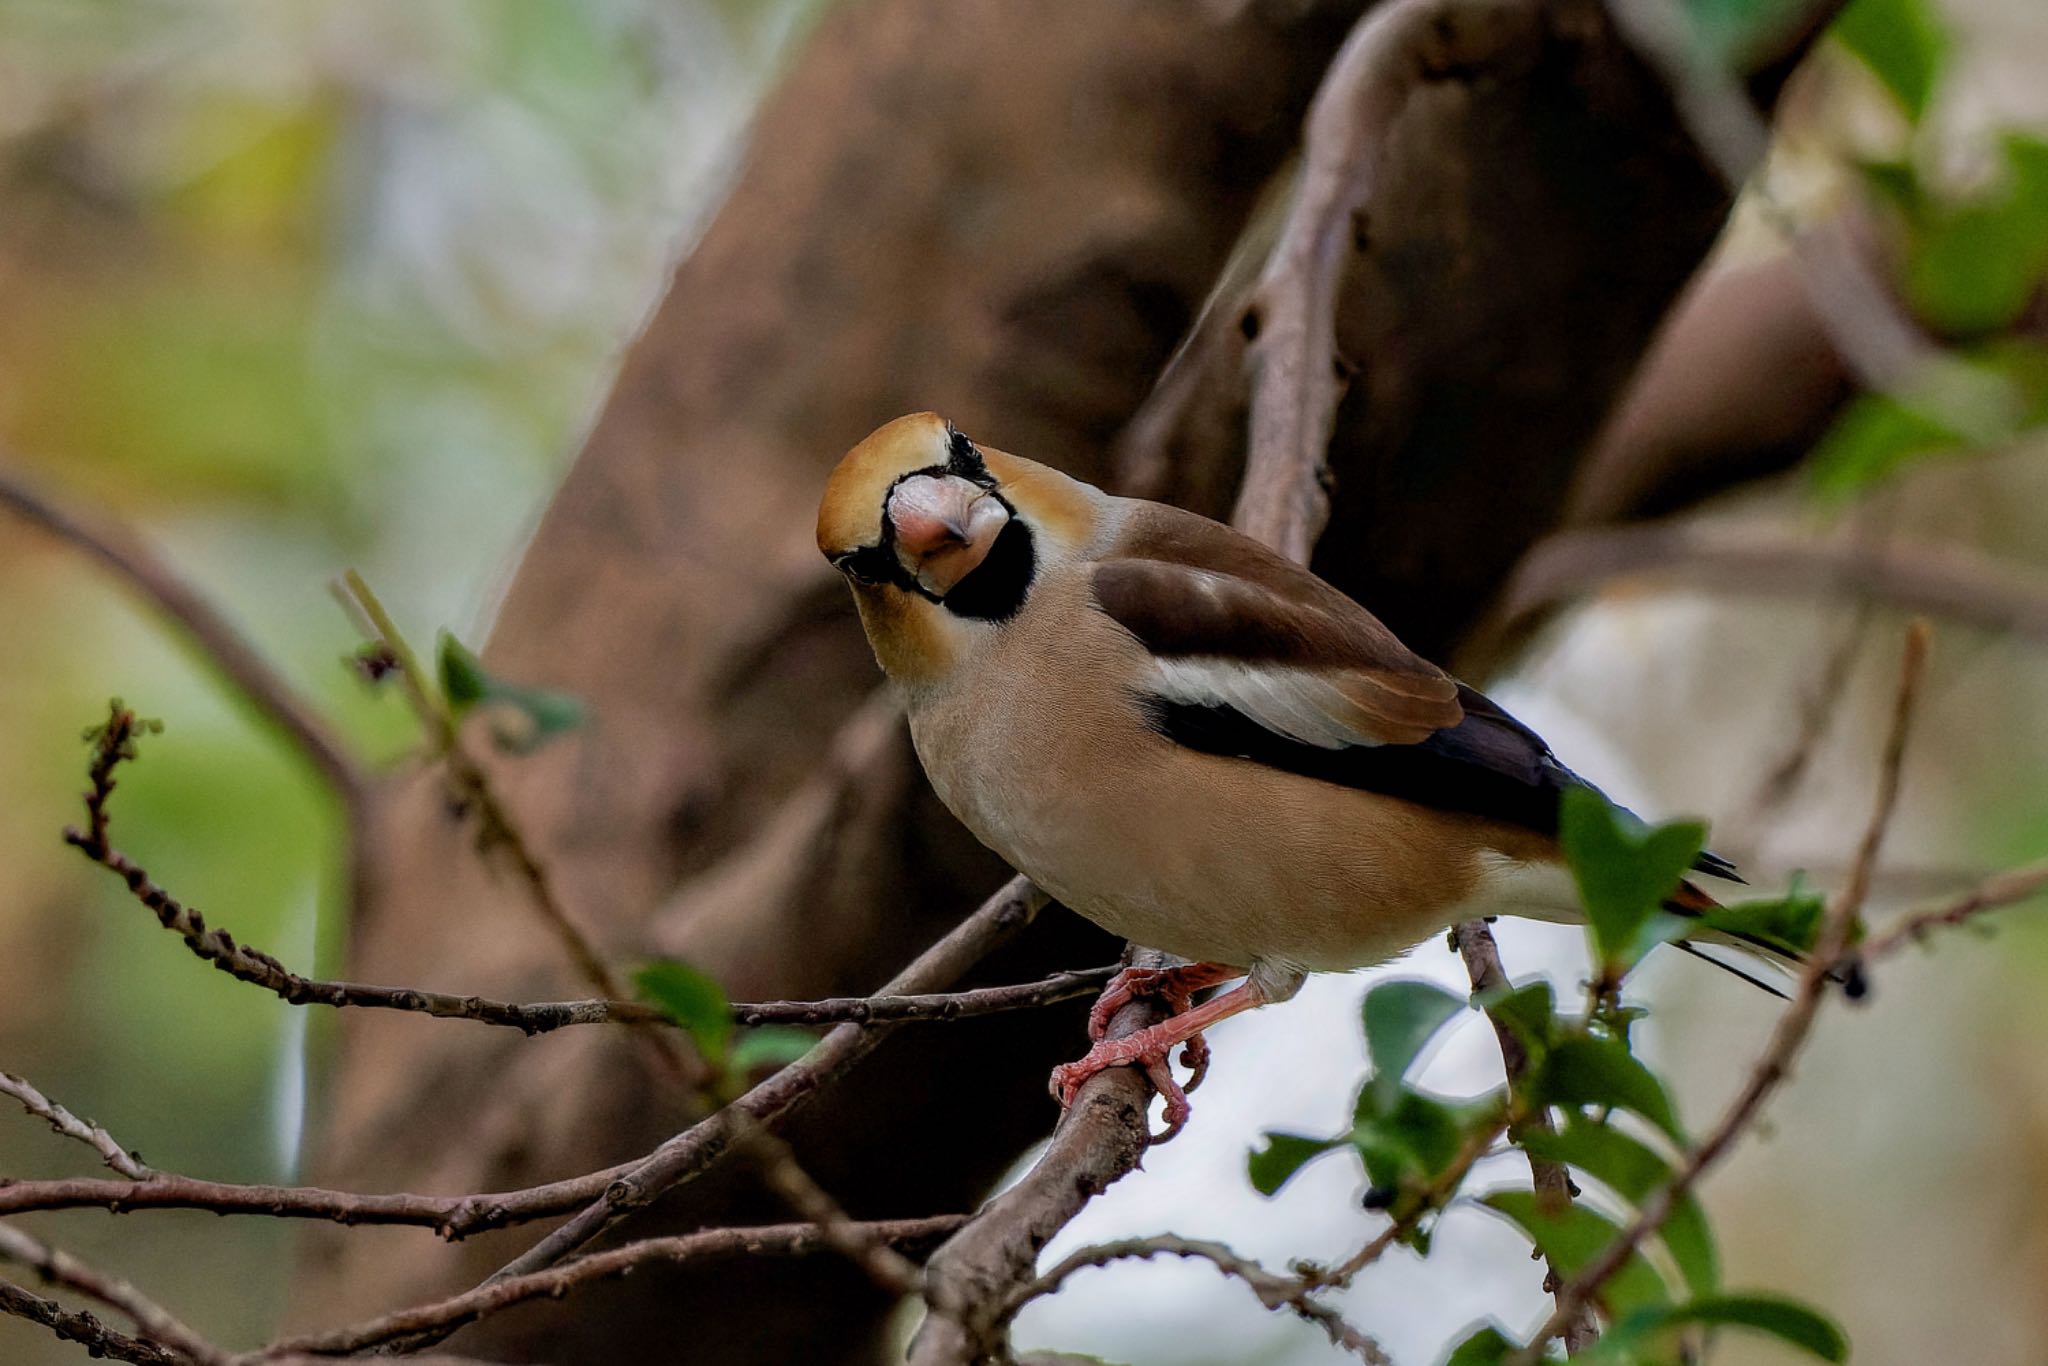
{"x": 1008, "y": 213}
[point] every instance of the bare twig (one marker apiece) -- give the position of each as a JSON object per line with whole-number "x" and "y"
{"x": 2001, "y": 889}
{"x": 71, "y": 1126}
{"x": 1478, "y": 1145}
{"x": 1274, "y": 1291}
{"x": 82, "y": 1328}
{"x": 1060, "y": 986}
{"x": 452, "y": 1216}
{"x": 1790, "y": 1036}
{"x": 779, "y": 1240}
{"x": 121, "y": 551}
{"x": 151, "y": 1319}
{"x": 786, "y": 1178}
{"x": 1948, "y": 580}
{"x": 695, "y": 1149}
{"x": 495, "y": 827}
{"x": 1475, "y": 944}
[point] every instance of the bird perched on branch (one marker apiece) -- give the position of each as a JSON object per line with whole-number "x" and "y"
{"x": 1189, "y": 739}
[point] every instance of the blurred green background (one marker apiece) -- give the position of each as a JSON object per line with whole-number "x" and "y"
{"x": 294, "y": 287}
{"x": 291, "y": 288}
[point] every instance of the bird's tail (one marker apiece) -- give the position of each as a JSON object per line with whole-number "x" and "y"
{"x": 1692, "y": 903}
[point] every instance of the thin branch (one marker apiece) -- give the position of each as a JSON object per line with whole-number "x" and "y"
{"x": 1947, "y": 580}
{"x": 694, "y": 1150}
{"x": 1475, "y": 944}
{"x": 496, "y": 828}
{"x": 785, "y": 1177}
{"x": 452, "y": 1216}
{"x": 74, "y": 1325}
{"x": 1478, "y": 1145}
{"x": 1274, "y": 1291}
{"x": 151, "y": 1319}
{"x": 780, "y": 1240}
{"x": 156, "y": 582}
{"x": 2001, "y": 889}
{"x": 71, "y": 1126}
{"x": 957, "y": 1005}
{"x": 1794, "y": 1026}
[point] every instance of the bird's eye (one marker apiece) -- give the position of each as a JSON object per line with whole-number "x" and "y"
{"x": 871, "y": 564}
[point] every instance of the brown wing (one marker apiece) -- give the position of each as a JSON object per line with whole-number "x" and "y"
{"x": 1229, "y": 622}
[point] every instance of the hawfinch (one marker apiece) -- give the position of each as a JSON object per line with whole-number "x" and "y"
{"x": 1189, "y": 739}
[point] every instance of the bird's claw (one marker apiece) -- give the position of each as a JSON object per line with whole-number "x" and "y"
{"x": 1068, "y": 1078}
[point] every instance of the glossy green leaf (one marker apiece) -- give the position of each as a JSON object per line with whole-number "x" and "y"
{"x": 1272, "y": 1166}
{"x": 1902, "y": 42}
{"x": 1789, "y": 1322}
{"x": 1624, "y": 870}
{"x": 1401, "y": 1017}
{"x": 769, "y": 1046}
{"x": 1594, "y": 1071}
{"x": 1571, "y": 1236}
{"x": 1487, "y": 1347}
{"x": 1632, "y": 1170}
{"x": 694, "y": 1000}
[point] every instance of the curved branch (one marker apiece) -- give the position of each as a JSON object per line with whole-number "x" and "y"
{"x": 114, "y": 546}
{"x": 1950, "y": 581}
{"x": 783, "y": 1240}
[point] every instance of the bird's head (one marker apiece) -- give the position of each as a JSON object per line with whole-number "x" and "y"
{"x": 938, "y": 535}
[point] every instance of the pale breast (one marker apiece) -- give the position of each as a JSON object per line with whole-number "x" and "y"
{"x": 1043, "y": 754}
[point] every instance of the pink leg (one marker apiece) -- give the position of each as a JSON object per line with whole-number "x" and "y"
{"x": 1175, "y": 986}
{"x": 1149, "y": 1048}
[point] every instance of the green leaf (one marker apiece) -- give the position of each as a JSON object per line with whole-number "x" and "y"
{"x": 1875, "y": 435}
{"x": 1400, "y": 1019}
{"x": 1903, "y": 44}
{"x": 1411, "y": 1143}
{"x": 1972, "y": 268}
{"x": 1789, "y": 923}
{"x": 1272, "y": 1166}
{"x": 694, "y": 1000}
{"x": 1487, "y": 1347}
{"x": 1625, "y": 870}
{"x": 1592, "y": 1071}
{"x": 1530, "y": 1013}
{"x": 1571, "y": 1236}
{"x": 1789, "y": 1322}
{"x": 542, "y": 712}
{"x": 463, "y": 680}
{"x": 769, "y": 1046}
{"x": 1632, "y": 1170}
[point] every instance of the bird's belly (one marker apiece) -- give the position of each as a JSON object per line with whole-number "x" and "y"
{"x": 1240, "y": 867}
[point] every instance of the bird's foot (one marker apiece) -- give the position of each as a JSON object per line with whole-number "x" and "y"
{"x": 1175, "y": 986}
{"x": 1068, "y": 1078}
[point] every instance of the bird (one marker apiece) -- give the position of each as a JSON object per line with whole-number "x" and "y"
{"x": 1184, "y": 736}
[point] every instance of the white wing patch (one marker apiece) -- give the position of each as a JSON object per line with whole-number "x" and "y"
{"x": 1302, "y": 704}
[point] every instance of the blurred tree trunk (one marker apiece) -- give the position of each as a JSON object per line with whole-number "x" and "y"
{"x": 1011, "y": 214}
